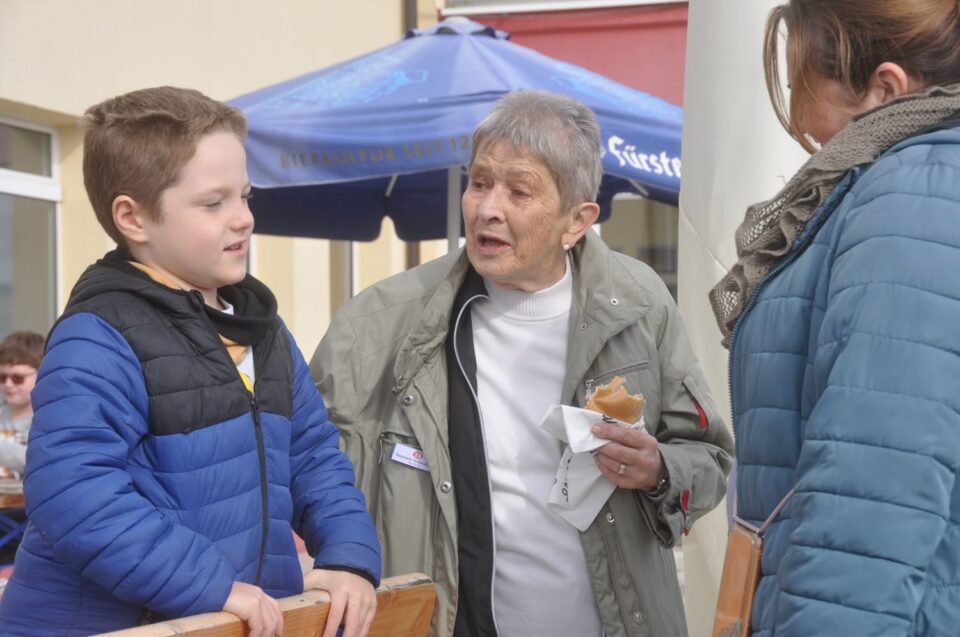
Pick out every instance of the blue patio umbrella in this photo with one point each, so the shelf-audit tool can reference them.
(332, 152)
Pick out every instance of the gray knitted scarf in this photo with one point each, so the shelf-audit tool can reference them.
(770, 228)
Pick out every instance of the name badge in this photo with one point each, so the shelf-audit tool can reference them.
(410, 456)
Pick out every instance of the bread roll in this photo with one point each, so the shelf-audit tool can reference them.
(614, 401)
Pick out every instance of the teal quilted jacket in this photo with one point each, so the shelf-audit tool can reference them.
(845, 382)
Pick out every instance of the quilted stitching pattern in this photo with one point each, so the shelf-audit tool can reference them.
(122, 518)
(848, 388)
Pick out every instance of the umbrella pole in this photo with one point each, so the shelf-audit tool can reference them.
(453, 208)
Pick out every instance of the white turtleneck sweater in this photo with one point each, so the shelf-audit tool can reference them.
(541, 581)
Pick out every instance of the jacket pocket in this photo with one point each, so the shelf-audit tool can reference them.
(640, 377)
(589, 384)
(407, 509)
(696, 396)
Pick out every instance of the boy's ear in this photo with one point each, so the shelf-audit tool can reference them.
(129, 217)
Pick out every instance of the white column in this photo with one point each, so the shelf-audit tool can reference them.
(734, 153)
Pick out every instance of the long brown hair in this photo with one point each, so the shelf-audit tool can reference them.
(846, 40)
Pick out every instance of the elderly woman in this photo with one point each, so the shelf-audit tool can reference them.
(842, 316)
(439, 378)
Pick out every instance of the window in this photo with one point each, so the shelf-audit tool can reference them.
(646, 230)
(29, 193)
(25, 150)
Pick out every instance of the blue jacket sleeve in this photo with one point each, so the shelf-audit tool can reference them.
(881, 449)
(90, 409)
(330, 513)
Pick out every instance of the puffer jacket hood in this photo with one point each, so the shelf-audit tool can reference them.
(254, 303)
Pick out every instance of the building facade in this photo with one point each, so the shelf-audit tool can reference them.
(57, 57)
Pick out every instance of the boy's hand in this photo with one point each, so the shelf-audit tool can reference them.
(353, 601)
(258, 610)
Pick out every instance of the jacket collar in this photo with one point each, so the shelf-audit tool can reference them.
(607, 300)
(255, 307)
(946, 131)
(426, 339)
(604, 291)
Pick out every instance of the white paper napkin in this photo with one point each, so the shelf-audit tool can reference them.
(580, 490)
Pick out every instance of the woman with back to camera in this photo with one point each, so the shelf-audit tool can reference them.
(842, 316)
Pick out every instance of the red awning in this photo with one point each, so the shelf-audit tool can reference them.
(643, 46)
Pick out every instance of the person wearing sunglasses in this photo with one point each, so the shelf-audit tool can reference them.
(20, 355)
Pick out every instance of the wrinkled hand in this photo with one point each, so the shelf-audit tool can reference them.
(353, 601)
(634, 449)
(258, 610)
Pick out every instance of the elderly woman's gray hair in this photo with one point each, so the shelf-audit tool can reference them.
(555, 129)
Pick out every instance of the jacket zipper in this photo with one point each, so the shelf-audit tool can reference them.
(483, 439)
(588, 383)
(798, 248)
(261, 457)
(196, 299)
(261, 460)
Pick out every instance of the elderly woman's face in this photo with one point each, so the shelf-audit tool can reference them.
(514, 223)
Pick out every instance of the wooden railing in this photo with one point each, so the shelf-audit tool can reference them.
(11, 493)
(11, 496)
(404, 608)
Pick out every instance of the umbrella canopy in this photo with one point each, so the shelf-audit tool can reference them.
(332, 152)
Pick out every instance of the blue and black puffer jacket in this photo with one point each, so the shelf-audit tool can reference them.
(845, 379)
(155, 479)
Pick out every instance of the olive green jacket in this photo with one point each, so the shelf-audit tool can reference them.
(382, 369)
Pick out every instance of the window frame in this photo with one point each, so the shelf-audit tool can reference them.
(24, 184)
(28, 185)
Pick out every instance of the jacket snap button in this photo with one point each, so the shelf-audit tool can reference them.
(583, 326)
(610, 518)
(638, 617)
(445, 486)
(409, 399)
(614, 301)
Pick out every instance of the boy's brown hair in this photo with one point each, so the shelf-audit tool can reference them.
(136, 144)
(22, 348)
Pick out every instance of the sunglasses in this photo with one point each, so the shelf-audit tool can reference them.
(16, 379)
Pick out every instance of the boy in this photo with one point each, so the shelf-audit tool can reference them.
(177, 435)
(20, 354)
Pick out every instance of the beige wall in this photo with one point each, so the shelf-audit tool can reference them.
(57, 57)
(63, 55)
(82, 240)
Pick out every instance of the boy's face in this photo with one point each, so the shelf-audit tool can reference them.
(203, 232)
(16, 382)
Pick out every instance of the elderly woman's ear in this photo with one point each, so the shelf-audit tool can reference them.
(581, 218)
